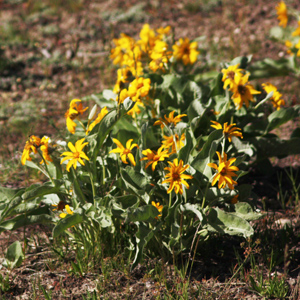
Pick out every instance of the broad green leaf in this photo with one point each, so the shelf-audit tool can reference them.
(25, 220)
(268, 67)
(245, 211)
(135, 179)
(65, 223)
(7, 194)
(196, 209)
(142, 214)
(207, 152)
(243, 61)
(143, 236)
(10, 206)
(228, 223)
(282, 116)
(39, 192)
(14, 255)
(184, 152)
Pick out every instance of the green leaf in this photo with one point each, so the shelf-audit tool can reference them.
(134, 179)
(14, 255)
(25, 220)
(142, 214)
(245, 211)
(196, 209)
(65, 223)
(40, 191)
(207, 152)
(143, 236)
(184, 152)
(228, 223)
(7, 194)
(282, 116)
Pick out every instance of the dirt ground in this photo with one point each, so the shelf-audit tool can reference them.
(58, 50)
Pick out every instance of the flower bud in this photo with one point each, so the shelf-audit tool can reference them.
(93, 112)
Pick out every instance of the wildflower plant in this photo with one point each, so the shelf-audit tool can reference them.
(100, 180)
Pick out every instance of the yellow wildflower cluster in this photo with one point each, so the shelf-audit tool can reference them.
(33, 144)
(276, 99)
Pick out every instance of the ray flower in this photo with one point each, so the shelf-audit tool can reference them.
(159, 208)
(170, 120)
(282, 14)
(76, 154)
(69, 211)
(228, 75)
(174, 142)
(100, 116)
(72, 113)
(228, 130)
(276, 99)
(225, 172)
(30, 146)
(242, 90)
(125, 152)
(175, 177)
(154, 157)
(45, 149)
(186, 51)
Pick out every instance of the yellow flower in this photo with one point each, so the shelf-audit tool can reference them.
(72, 113)
(297, 31)
(68, 210)
(289, 45)
(276, 99)
(173, 142)
(45, 149)
(175, 176)
(76, 155)
(297, 46)
(138, 88)
(228, 130)
(169, 121)
(225, 171)
(228, 75)
(148, 38)
(159, 208)
(162, 32)
(60, 206)
(30, 146)
(186, 51)
(282, 14)
(125, 152)
(123, 77)
(242, 90)
(160, 56)
(154, 157)
(100, 116)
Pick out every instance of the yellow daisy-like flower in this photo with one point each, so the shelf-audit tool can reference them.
(148, 38)
(242, 90)
(159, 208)
(169, 121)
(276, 99)
(45, 149)
(173, 142)
(154, 157)
(225, 172)
(282, 14)
(30, 146)
(100, 116)
(68, 210)
(297, 46)
(228, 75)
(228, 130)
(162, 32)
(123, 77)
(175, 177)
(186, 51)
(138, 88)
(159, 55)
(72, 113)
(125, 152)
(76, 155)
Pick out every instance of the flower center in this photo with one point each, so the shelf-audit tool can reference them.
(242, 89)
(175, 176)
(230, 75)
(223, 171)
(126, 151)
(76, 154)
